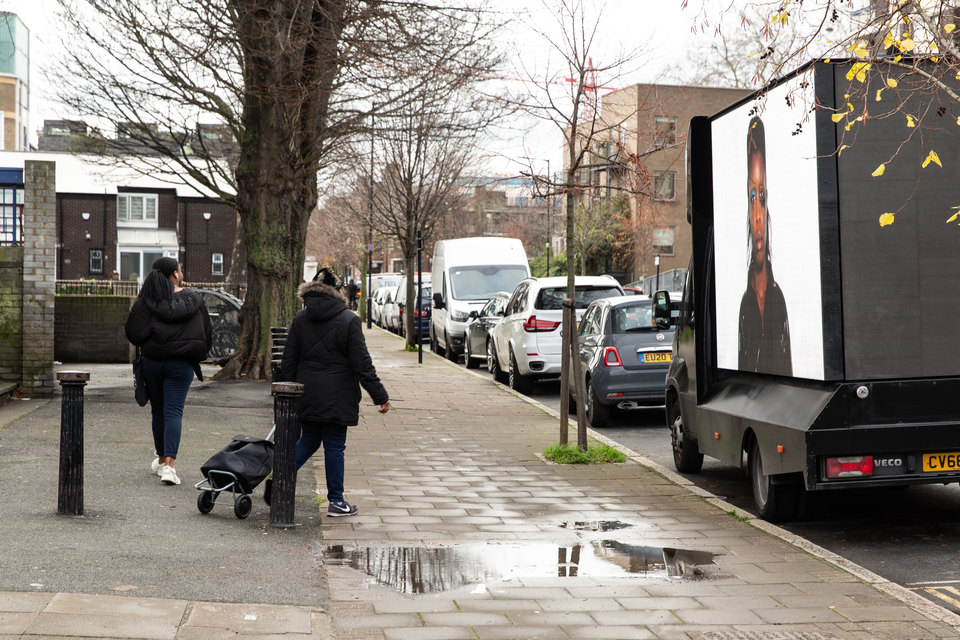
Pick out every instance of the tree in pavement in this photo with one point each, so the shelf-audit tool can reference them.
(566, 95)
(291, 83)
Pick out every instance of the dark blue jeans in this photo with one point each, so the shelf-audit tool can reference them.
(168, 382)
(333, 437)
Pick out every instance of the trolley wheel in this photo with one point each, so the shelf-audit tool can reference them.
(205, 501)
(242, 506)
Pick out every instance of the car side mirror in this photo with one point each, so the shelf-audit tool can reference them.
(438, 300)
(474, 314)
(662, 310)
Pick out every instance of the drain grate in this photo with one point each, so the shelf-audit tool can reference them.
(764, 635)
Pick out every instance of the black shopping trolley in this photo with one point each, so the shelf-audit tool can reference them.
(236, 470)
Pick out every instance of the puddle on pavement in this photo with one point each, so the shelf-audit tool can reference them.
(432, 570)
(596, 525)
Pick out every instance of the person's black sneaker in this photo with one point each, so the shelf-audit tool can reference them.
(268, 490)
(342, 508)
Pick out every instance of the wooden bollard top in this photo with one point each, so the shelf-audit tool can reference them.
(73, 376)
(288, 388)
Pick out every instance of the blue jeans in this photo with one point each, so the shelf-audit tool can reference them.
(168, 382)
(333, 437)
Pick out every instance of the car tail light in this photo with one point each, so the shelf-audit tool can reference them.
(533, 325)
(850, 467)
(611, 357)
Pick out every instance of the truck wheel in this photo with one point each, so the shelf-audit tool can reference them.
(774, 502)
(597, 414)
(686, 453)
(518, 382)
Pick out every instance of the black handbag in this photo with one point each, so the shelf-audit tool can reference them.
(139, 382)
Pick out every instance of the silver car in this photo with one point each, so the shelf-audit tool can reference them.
(526, 344)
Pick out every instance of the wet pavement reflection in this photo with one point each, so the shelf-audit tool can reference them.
(431, 570)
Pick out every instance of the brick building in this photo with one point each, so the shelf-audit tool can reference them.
(112, 222)
(642, 143)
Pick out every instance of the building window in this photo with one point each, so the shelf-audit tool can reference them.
(664, 239)
(136, 210)
(664, 131)
(96, 261)
(216, 264)
(664, 185)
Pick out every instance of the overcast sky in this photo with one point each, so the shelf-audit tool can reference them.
(661, 28)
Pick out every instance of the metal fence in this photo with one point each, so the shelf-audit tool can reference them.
(671, 280)
(131, 288)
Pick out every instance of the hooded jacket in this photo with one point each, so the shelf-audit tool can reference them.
(325, 351)
(174, 329)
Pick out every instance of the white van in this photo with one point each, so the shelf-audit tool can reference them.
(466, 273)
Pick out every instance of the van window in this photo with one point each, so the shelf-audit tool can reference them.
(482, 282)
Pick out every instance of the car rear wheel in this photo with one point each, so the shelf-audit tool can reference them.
(468, 360)
(519, 382)
(493, 365)
(597, 414)
(686, 453)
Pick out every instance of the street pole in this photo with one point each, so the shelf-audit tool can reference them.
(656, 261)
(419, 304)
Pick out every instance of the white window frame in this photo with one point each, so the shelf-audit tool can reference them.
(662, 234)
(96, 255)
(216, 264)
(148, 205)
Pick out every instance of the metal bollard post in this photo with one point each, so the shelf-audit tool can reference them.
(282, 503)
(70, 488)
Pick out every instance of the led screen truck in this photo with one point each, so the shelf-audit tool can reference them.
(817, 341)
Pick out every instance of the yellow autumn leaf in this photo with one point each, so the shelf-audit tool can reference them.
(826, 60)
(879, 91)
(958, 120)
(949, 27)
(910, 122)
(861, 51)
(897, 58)
(849, 125)
(891, 83)
(837, 117)
(850, 105)
(932, 157)
(888, 40)
(842, 147)
(907, 44)
(752, 54)
(886, 219)
(879, 170)
(953, 217)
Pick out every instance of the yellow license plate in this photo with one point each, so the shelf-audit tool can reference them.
(651, 358)
(941, 462)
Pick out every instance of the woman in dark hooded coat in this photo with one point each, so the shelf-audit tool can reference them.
(326, 352)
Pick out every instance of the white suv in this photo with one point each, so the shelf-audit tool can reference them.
(527, 343)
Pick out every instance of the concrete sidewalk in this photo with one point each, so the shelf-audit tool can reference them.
(464, 531)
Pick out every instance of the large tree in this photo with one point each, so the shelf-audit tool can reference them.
(292, 80)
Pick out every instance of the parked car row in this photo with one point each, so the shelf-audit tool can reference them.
(487, 307)
(389, 305)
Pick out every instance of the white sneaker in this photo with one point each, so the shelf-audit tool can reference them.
(168, 475)
(155, 466)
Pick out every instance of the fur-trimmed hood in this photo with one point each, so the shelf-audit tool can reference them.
(321, 300)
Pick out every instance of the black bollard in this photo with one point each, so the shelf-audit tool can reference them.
(285, 397)
(70, 490)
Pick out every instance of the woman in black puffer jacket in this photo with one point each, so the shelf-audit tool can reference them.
(172, 329)
(325, 351)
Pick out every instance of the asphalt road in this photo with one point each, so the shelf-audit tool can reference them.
(906, 535)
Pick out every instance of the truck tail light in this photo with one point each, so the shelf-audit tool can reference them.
(611, 357)
(532, 325)
(850, 467)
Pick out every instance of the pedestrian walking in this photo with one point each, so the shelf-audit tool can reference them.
(352, 294)
(171, 326)
(325, 351)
